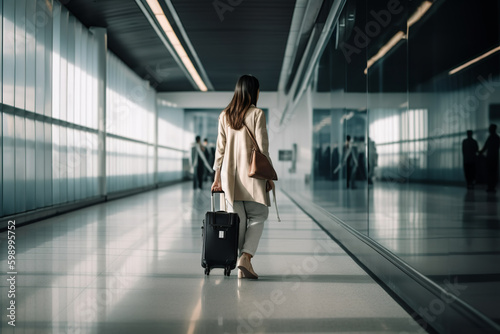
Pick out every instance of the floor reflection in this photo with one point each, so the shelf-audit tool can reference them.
(133, 266)
(446, 233)
(219, 305)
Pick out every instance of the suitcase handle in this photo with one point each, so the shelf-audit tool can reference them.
(213, 200)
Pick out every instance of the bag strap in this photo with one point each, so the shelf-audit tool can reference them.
(257, 148)
(276, 205)
(252, 137)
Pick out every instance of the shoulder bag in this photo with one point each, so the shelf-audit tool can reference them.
(260, 167)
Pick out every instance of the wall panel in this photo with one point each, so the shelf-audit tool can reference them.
(71, 165)
(40, 147)
(40, 66)
(62, 92)
(1, 104)
(30, 164)
(30, 54)
(1, 71)
(55, 83)
(48, 163)
(8, 166)
(1, 159)
(49, 144)
(20, 54)
(77, 87)
(55, 170)
(8, 57)
(20, 162)
(76, 164)
(70, 77)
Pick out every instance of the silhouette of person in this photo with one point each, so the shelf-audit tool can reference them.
(350, 161)
(492, 145)
(372, 160)
(326, 161)
(469, 152)
(210, 156)
(198, 163)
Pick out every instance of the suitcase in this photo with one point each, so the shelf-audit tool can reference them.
(220, 232)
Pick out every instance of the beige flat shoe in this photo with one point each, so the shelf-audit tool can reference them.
(246, 268)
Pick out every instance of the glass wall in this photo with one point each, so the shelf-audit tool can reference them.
(49, 131)
(49, 145)
(171, 147)
(405, 80)
(74, 109)
(130, 124)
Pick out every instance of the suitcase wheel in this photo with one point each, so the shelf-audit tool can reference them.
(227, 271)
(207, 271)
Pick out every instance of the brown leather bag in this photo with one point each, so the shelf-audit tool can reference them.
(260, 167)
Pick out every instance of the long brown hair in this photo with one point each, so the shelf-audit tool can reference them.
(245, 94)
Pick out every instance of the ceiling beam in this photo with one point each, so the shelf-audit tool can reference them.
(309, 61)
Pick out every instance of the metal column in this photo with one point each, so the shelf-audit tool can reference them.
(102, 49)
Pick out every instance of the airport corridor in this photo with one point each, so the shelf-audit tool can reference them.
(132, 265)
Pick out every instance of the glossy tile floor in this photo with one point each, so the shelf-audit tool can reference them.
(133, 266)
(446, 233)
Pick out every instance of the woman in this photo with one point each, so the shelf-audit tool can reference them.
(244, 195)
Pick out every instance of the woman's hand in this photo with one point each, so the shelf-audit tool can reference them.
(217, 185)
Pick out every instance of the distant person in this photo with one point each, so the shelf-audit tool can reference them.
(198, 163)
(469, 152)
(246, 196)
(210, 158)
(349, 160)
(360, 148)
(492, 146)
(372, 160)
(326, 156)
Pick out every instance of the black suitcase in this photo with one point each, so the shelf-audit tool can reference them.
(220, 232)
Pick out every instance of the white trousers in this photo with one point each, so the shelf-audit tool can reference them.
(252, 217)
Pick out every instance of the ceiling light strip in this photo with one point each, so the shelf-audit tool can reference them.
(187, 42)
(419, 13)
(307, 66)
(475, 60)
(386, 48)
(162, 20)
(164, 41)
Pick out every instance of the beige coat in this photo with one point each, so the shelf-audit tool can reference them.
(234, 149)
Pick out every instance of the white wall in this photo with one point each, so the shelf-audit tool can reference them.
(213, 100)
(296, 129)
(170, 141)
(130, 115)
